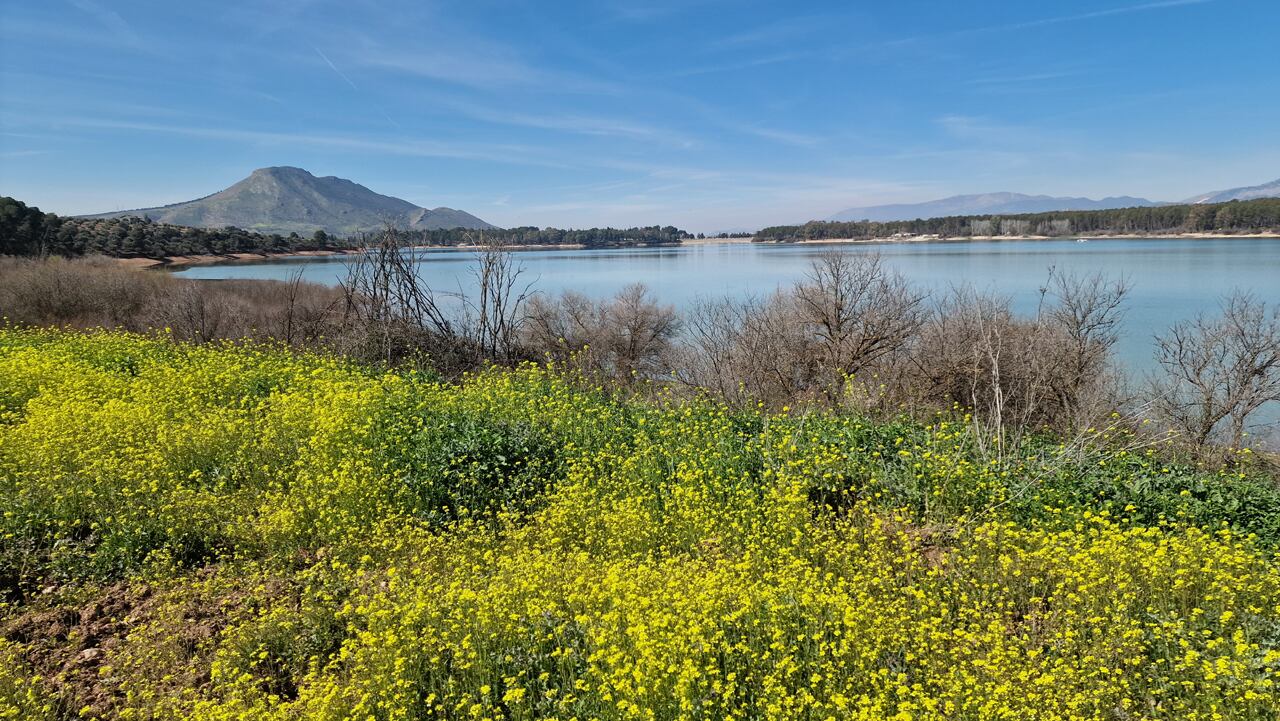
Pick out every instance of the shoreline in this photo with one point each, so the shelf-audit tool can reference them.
(184, 261)
(987, 238)
(179, 262)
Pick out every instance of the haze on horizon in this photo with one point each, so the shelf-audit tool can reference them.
(705, 114)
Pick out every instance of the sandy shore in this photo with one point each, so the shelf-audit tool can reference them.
(182, 261)
(472, 246)
(1184, 235)
(178, 261)
(963, 238)
(716, 241)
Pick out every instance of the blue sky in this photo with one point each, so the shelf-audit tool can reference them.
(706, 114)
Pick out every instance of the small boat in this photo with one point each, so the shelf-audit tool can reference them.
(1082, 240)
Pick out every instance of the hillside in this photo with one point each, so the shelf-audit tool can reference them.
(1248, 192)
(985, 203)
(26, 230)
(291, 200)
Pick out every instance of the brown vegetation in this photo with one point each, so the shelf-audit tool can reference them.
(852, 332)
(624, 339)
(95, 292)
(1219, 371)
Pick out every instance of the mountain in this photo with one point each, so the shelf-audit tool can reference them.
(286, 200)
(1249, 192)
(985, 204)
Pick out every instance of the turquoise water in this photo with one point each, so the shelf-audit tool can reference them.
(1172, 278)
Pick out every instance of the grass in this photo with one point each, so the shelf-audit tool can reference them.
(226, 531)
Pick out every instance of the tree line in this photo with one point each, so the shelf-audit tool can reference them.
(1237, 216)
(27, 231)
(530, 236)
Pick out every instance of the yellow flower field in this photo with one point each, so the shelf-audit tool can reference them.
(221, 532)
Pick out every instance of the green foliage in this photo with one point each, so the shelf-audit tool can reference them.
(460, 465)
(1237, 216)
(237, 531)
(530, 236)
(26, 231)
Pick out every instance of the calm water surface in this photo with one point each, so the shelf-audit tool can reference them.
(1172, 279)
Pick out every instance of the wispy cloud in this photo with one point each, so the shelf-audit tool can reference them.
(498, 153)
(32, 105)
(570, 123)
(1020, 79)
(989, 134)
(26, 136)
(783, 31)
(595, 206)
(335, 69)
(110, 20)
(646, 11)
(921, 41)
(726, 199)
(732, 123)
(1123, 10)
(477, 67)
(343, 75)
(785, 137)
(78, 35)
(731, 66)
(22, 153)
(262, 19)
(968, 127)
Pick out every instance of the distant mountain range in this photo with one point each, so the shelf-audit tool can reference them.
(286, 200)
(1249, 192)
(985, 203)
(1011, 203)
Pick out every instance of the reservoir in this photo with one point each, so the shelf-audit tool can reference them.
(1171, 279)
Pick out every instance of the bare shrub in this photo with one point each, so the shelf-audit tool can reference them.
(708, 354)
(82, 293)
(389, 314)
(1087, 312)
(976, 353)
(1219, 371)
(855, 311)
(1052, 370)
(626, 338)
(193, 314)
(749, 351)
(294, 311)
(100, 292)
(845, 320)
(560, 329)
(494, 317)
(636, 333)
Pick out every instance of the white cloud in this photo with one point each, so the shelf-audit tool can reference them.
(477, 65)
(334, 67)
(498, 153)
(111, 21)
